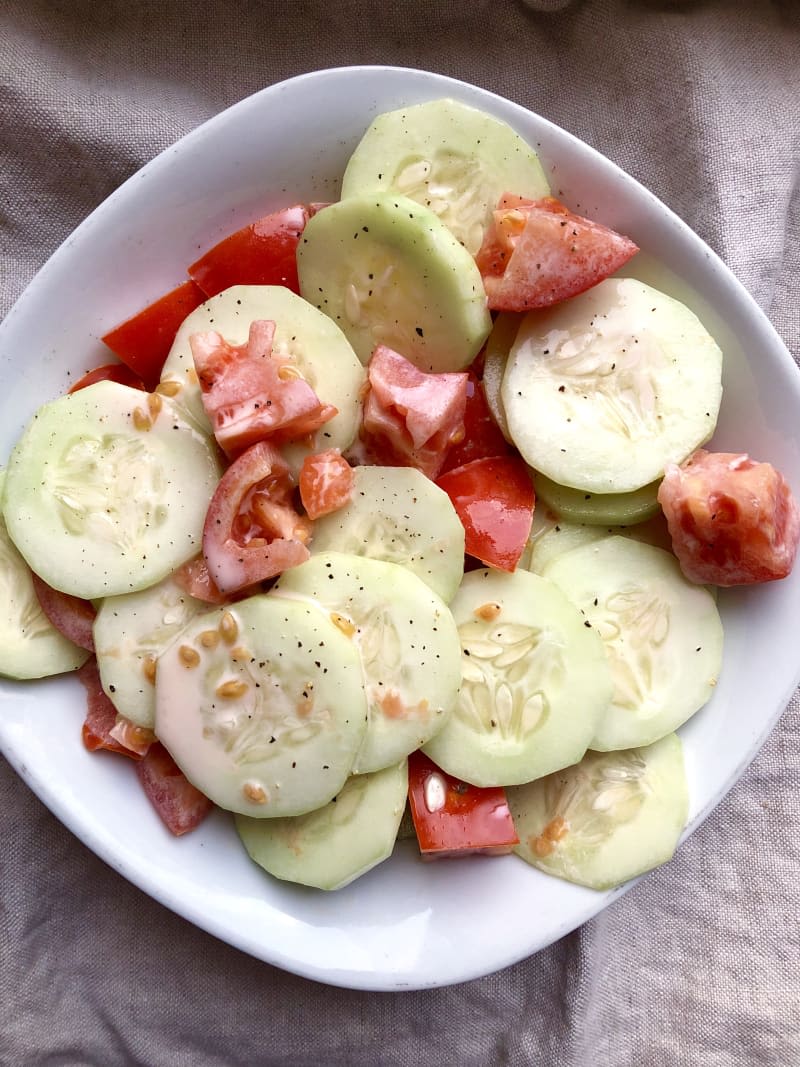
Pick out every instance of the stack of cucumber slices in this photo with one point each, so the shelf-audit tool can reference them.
(298, 707)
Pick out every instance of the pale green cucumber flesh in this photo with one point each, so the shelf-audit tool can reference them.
(552, 536)
(498, 345)
(609, 818)
(598, 509)
(535, 681)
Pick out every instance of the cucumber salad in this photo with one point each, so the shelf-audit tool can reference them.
(396, 519)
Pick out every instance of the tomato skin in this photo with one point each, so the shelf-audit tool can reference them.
(471, 819)
(482, 438)
(70, 615)
(143, 341)
(178, 803)
(103, 727)
(252, 532)
(261, 253)
(494, 499)
(537, 252)
(109, 372)
(733, 521)
(326, 482)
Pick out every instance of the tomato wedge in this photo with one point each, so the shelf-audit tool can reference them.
(732, 521)
(453, 818)
(252, 531)
(143, 341)
(410, 417)
(537, 252)
(178, 803)
(494, 499)
(194, 579)
(250, 393)
(104, 727)
(482, 438)
(326, 482)
(109, 372)
(70, 615)
(261, 253)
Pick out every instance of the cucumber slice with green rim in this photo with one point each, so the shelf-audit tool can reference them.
(316, 346)
(30, 646)
(662, 634)
(398, 515)
(107, 490)
(387, 271)
(262, 706)
(331, 847)
(498, 345)
(598, 509)
(535, 682)
(602, 391)
(452, 158)
(606, 820)
(130, 633)
(407, 641)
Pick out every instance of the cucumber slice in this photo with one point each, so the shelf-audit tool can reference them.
(498, 345)
(602, 391)
(130, 633)
(389, 272)
(610, 818)
(662, 634)
(398, 515)
(30, 646)
(598, 509)
(535, 682)
(262, 706)
(316, 346)
(451, 158)
(407, 640)
(331, 847)
(107, 490)
(552, 536)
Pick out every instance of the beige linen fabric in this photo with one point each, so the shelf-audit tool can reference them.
(699, 964)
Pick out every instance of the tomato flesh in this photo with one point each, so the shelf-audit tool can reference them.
(252, 531)
(70, 615)
(180, 806)
(537, 252)
(326, 482)
(250, 394)
(732, 521)
(494, 498)
(109, 372)
(193, 577)
(482, 438)
(410, 418)
(453, 818)
(261, 253)
(143, 341)
(104, 727)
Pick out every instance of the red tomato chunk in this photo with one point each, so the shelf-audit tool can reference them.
(537, 252)
(733, 521)
(482, 438)
(178, 803)
(326, 482)
(453, 818)
(143, 341)
(262, 253)
(70, 615)
(104, 727)
(411, 418)
(494, 499)
(194, 579)
(109, 372)
(250, 394)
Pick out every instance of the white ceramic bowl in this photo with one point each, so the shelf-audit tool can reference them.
(406, 924)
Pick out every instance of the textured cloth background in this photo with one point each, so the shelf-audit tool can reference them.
(697, 965)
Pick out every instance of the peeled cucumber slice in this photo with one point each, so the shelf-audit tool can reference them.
(107, 490)
(552, 536)
(607, 819)
(387, 271)
(407, 641)
(451, 158)
(662, 635)
(130, 633)
(598, 509)
(316, 346)
(535, 681)
(30, 646)
(602, 391)
(331, 847)
(398, 515)
(262, 706)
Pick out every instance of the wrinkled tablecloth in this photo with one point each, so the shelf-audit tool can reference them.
(699, 964)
